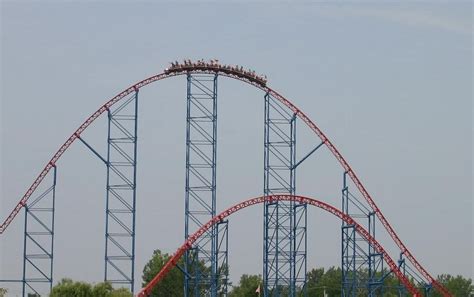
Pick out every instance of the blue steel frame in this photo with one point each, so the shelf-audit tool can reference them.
(411, 274)
(362, 268)
(285, 223)
(38, 245)
(200, 188)
(222, 258)
(121, 193)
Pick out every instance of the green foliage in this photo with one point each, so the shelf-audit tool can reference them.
(3, 292)
(120, 292)
(320, 281)
(458, 286)
(102, 290)
(247, 286)
(171, 285)
(68, 288)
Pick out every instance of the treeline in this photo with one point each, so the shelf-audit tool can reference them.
(320, 283)
(327, 283)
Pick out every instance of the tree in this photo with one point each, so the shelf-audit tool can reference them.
(67, 287)
(320, 281)
(3, 292)
(171, 285)
(313, 282)
(248, 284)
(457, 286)
(120, 292)
(329, 281)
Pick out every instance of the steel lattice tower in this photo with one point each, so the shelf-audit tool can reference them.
(222, 258)
(362, 268)
(284, 264)
(203, 275)
(121, 192)
(38, 244)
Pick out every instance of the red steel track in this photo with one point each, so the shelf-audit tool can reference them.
(146, 291)
(235, 75)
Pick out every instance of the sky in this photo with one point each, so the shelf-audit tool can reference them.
(389, 83)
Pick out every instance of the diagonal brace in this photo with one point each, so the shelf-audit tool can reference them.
(307, 155)
(92, 150)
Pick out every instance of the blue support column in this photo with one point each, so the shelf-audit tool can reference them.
(300, 223)
(402, 266)
(222, 258)
(38, 246)
(413, 276)
(121, 193)
(284, 264)
(375, 263)
(362, 267)
(200, 190)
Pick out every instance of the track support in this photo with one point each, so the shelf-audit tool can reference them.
(38, 244)
(121, 193)
(284, 264)
(200, 190)
(222, 258)
(362, 267)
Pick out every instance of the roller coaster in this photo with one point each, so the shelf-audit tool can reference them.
(285, 212)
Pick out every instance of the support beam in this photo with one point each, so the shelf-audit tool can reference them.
(38, 245)
(285, 229)
(362, 267)
(92, 150)
(222, 258)
(121, 193)
(307, 155)
(201, 184)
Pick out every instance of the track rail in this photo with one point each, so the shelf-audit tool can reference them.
(146, 291)
(235, 75)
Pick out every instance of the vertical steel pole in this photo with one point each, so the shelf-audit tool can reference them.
(348, 247)
(52, 226)
(214, 184)
(186, 190)
(135, 156)
(265, 191)
(24, 251)
(107, 196)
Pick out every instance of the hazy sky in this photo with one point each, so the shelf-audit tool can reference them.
(390, 84)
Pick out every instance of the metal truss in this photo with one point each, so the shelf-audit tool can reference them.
(121, 193)
(414, 277)
(39, 242)
(222, 258)
(284, 264)
(200, 189)
(362, 266)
